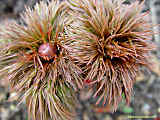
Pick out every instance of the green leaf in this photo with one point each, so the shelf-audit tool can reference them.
(127, 109)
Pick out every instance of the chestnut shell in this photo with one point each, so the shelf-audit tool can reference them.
(47, 51)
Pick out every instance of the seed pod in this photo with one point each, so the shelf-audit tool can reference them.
(112, 41)
(37, 62)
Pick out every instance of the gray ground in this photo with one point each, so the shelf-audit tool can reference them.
(146, 97)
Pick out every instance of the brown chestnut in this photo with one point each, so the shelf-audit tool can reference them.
(47, 51)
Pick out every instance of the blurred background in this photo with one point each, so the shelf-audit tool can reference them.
(145, 102)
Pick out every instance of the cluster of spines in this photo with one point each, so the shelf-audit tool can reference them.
(63, 46)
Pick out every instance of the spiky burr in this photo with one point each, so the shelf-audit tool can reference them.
(36, 60)
(111, 42)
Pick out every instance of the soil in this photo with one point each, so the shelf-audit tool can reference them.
(146, 96)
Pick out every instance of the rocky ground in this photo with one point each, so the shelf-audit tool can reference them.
(146, 96)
